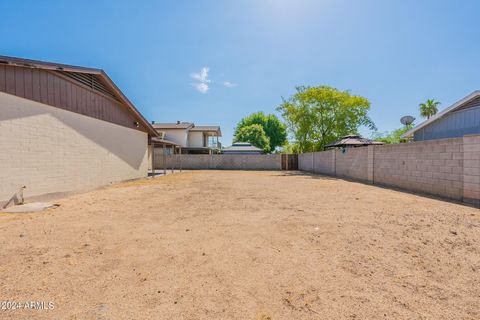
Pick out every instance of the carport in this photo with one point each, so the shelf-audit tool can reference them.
(168, 148)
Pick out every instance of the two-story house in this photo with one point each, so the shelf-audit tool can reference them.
(191, 138)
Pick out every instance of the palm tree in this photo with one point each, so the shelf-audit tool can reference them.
(429, 108)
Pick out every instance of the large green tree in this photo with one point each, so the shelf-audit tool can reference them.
(317, 116)
(274, 129)
(429, 108)
(254, 134)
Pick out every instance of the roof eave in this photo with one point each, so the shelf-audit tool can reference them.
(147, 125)
(21, 62)
(47, 65)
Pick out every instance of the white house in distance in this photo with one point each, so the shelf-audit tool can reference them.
(191, 138)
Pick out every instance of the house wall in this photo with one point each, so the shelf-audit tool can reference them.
(446, 167)
(221, 161)
(179, 136)
(50, 150)
(195, 139)
(454, 124)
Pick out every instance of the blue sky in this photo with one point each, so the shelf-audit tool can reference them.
(395, 53)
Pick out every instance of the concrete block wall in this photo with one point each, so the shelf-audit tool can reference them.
(471, 169)
(50, 150)
(194, 161)
(318, 162)
(352, 163)
(221, 161)
(448, 168)
(247, 162)
(305, 161)
(434, 167)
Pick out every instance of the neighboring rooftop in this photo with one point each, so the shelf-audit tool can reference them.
(187, 125)
(472, 100)
(207, 129)
(175, 125)
(352, 141)
(242, 147)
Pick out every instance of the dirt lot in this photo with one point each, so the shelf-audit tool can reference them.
(244, 245)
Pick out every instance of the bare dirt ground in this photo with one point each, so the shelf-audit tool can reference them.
(244, 245)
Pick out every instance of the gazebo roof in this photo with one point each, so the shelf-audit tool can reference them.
(352, 141)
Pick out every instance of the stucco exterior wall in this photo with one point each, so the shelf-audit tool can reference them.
(195, 139)
(51, 150)
(179, 136)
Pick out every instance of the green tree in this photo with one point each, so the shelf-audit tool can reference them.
(429, 108)
(255, 135)
(394, 136)
(275, 130)
(289, 148)
(317, 116)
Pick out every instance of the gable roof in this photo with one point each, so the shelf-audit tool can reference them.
(207, 129)
(456, 106)
(21, 62)
(177, 125)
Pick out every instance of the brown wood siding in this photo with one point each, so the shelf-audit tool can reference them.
(54, 89)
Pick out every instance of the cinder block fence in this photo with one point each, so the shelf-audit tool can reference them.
(219, 161)
(448, 168)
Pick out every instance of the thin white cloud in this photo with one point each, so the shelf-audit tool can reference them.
(202, 78)
(229, 84)
(201, 87)
(203, 83)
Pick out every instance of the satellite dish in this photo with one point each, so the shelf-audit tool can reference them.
(407, 120)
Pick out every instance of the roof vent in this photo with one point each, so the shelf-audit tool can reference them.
(153, 121)
(178, 121)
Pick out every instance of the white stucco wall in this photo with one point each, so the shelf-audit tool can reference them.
(51, 150)
(178, 136)
(195, 139)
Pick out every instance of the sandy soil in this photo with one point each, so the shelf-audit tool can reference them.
(244, 245)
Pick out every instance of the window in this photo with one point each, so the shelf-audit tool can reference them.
(212, 141)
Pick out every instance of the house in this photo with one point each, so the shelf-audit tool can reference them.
(65, 128)
(242, 148)
(351, 141)
(461, 118)
(191, 138)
